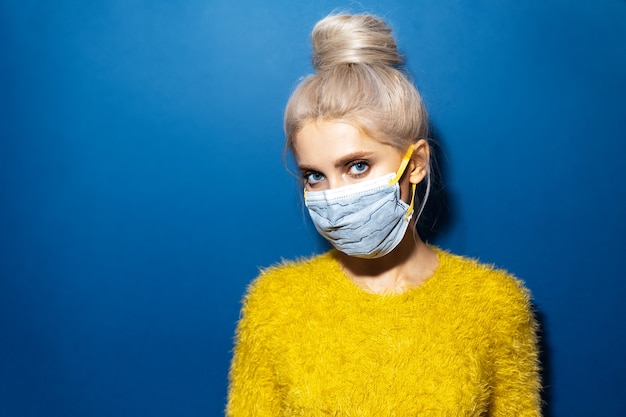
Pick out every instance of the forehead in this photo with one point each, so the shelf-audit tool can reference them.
(320, 141)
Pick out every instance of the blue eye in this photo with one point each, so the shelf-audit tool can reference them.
(359, 168)
(314, 177)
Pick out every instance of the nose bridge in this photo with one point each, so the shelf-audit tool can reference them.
(336, 180)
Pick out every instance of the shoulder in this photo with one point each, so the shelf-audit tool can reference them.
(288, 282)
(289, 275)
(494, 301)
(484, 285)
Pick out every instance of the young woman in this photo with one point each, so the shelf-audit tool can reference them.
(383, 324)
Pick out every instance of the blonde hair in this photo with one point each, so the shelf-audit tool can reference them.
(359, 79)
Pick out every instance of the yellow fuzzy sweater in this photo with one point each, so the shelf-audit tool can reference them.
(311, 343)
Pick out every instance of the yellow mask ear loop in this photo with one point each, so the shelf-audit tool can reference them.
(405, 161)
(409, 212)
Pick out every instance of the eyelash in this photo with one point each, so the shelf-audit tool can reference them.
(359, 162)
(306, 176)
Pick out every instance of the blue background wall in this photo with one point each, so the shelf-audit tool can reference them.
(142, 184)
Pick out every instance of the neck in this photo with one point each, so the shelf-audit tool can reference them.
(407, 266)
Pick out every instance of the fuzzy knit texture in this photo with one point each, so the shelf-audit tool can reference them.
(312, 343)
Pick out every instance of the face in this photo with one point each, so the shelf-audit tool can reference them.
(334, 154)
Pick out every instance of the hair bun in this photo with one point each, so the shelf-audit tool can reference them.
(353, 39)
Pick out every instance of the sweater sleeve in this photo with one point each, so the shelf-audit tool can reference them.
(516, 390)
(253, 389)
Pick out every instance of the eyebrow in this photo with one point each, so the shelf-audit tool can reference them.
(341, 161)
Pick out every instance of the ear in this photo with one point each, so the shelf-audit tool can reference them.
(420, 162)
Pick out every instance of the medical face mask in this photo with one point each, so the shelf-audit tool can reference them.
(367, 219)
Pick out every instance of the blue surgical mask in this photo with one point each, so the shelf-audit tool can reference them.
(367, 219)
